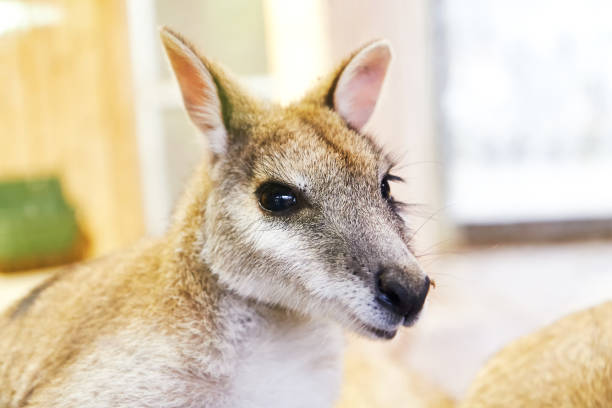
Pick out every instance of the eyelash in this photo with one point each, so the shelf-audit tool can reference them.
(396, 205)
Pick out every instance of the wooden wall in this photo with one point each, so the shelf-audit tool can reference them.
(66, 109)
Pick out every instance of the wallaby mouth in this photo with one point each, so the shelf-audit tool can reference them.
(380, 333)
(386, 333)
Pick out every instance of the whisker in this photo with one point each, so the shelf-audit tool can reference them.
(426, 221)
(399, 167)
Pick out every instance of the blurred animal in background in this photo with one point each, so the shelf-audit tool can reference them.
(286, 234)
(567, 364)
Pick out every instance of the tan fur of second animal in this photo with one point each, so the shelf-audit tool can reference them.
(565, 365)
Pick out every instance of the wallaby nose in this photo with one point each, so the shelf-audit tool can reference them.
(397, 297)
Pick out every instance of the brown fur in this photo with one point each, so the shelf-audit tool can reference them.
(84, 302)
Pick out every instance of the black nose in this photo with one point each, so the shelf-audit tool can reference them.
(398, 297)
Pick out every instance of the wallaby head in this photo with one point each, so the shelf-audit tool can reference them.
(299, 213)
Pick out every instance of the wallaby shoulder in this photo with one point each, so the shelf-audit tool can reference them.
(66, 316)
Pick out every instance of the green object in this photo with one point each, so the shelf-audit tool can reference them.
(37, 226)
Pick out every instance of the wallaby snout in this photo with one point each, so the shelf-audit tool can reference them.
(400, 297)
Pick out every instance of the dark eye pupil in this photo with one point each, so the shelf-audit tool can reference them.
(276, 197)
(385, 190)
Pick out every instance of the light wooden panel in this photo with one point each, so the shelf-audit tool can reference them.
(66, 109)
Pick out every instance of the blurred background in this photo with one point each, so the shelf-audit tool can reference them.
(502, 111)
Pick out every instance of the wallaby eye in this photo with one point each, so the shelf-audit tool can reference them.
(385, 190)
(276, 197)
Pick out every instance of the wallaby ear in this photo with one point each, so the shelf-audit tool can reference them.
(199, 89)
(352, 90)
(360, 82)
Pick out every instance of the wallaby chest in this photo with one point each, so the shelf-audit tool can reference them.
(289, 365)
(255, 361)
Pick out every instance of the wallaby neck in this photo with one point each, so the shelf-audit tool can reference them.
(185, 237)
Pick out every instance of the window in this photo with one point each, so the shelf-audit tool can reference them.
(525, 103)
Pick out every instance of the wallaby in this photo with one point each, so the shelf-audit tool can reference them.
(567, 364)
(287, 233)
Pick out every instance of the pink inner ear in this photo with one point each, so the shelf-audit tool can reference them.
(199, 91)
(193, 87)
(360, 83)
(197, 88)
